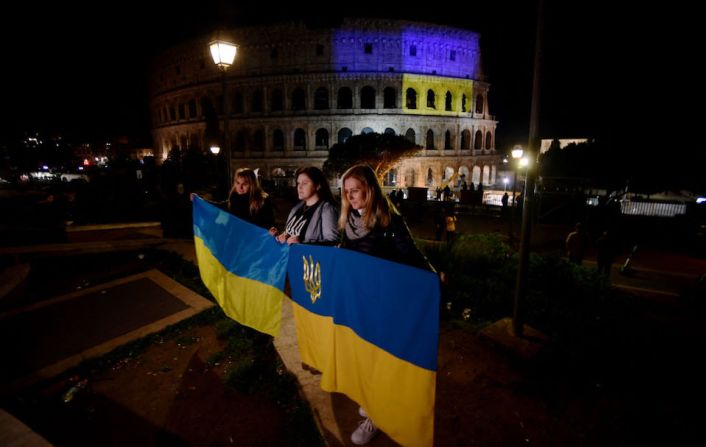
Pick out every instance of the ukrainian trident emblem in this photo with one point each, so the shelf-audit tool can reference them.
(312, 278)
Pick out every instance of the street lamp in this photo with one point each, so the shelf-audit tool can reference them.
(215, 149)
(516, 152)
(223, 53)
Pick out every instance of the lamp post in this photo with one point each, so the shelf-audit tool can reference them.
(533, 149)
(517, 152)
(223, 53)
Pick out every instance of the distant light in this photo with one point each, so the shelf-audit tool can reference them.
(80, 168)
(700, 199)
(524, 162)
(86, 162)
(506, 180)
(517, 152)
(45, 167)
(215, 149)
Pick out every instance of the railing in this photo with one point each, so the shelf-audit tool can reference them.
(661, 209)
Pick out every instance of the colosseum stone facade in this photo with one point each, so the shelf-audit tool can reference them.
(294, 91)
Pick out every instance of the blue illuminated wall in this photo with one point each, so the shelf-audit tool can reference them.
(407, 48)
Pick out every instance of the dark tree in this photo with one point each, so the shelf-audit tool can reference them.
(381, 152)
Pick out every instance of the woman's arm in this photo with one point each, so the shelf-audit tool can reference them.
(329, 223)
(407, 250)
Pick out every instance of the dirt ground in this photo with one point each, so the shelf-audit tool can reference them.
(643, 386)
(169, 396)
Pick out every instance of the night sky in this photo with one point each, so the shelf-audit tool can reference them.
(604, 72)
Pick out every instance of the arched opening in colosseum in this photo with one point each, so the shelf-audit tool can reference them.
(448, 103)
(476, 175)
(299, 140)
(465, 139)
(344, 134)
(478, 143)
(448, 173)
(256, 105)
(411, 98)
(479, 103)
(410, 177)
(389, 98)
(391, 178)
(258, 140)
(390, 131)
(488, 140)
(411, 136)
(431, 99)
(345, 98)
(298, 99)
(447, 140)
(366, 130)
(277, 101)
(321, 141)
(278, 140)
(430, 139)
(367, 97)
(321, 99)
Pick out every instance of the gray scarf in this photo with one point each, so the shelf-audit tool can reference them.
(355, 227)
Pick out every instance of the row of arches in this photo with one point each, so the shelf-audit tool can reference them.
(299, 139)
(429, 176)
(298, 100)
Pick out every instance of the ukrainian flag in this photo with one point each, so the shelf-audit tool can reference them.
(242, 265)
(371, 327)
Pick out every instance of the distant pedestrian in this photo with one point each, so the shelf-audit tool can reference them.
(606, 252)
(505, 199)
(575, 245)
(447, 193)
(439, 222)
(450, 226)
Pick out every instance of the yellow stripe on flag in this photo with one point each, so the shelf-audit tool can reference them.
(397, 395)
(249, 302)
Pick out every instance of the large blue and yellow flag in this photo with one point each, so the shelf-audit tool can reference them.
(372, 328)
(242, 265)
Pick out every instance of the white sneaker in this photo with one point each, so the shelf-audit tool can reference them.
(364, 433)
(362, 412)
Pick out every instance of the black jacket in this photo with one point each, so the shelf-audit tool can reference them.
(393, 243)
(240, 207)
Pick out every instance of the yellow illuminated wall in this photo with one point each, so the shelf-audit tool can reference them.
(440, 85)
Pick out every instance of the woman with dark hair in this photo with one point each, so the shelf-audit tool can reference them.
(313, 220)
(370, 224)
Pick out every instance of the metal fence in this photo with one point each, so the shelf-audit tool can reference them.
(661, 209)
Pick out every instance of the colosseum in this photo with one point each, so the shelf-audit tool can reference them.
(293, 91)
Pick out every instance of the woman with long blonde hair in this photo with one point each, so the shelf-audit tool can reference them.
(369, 223)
